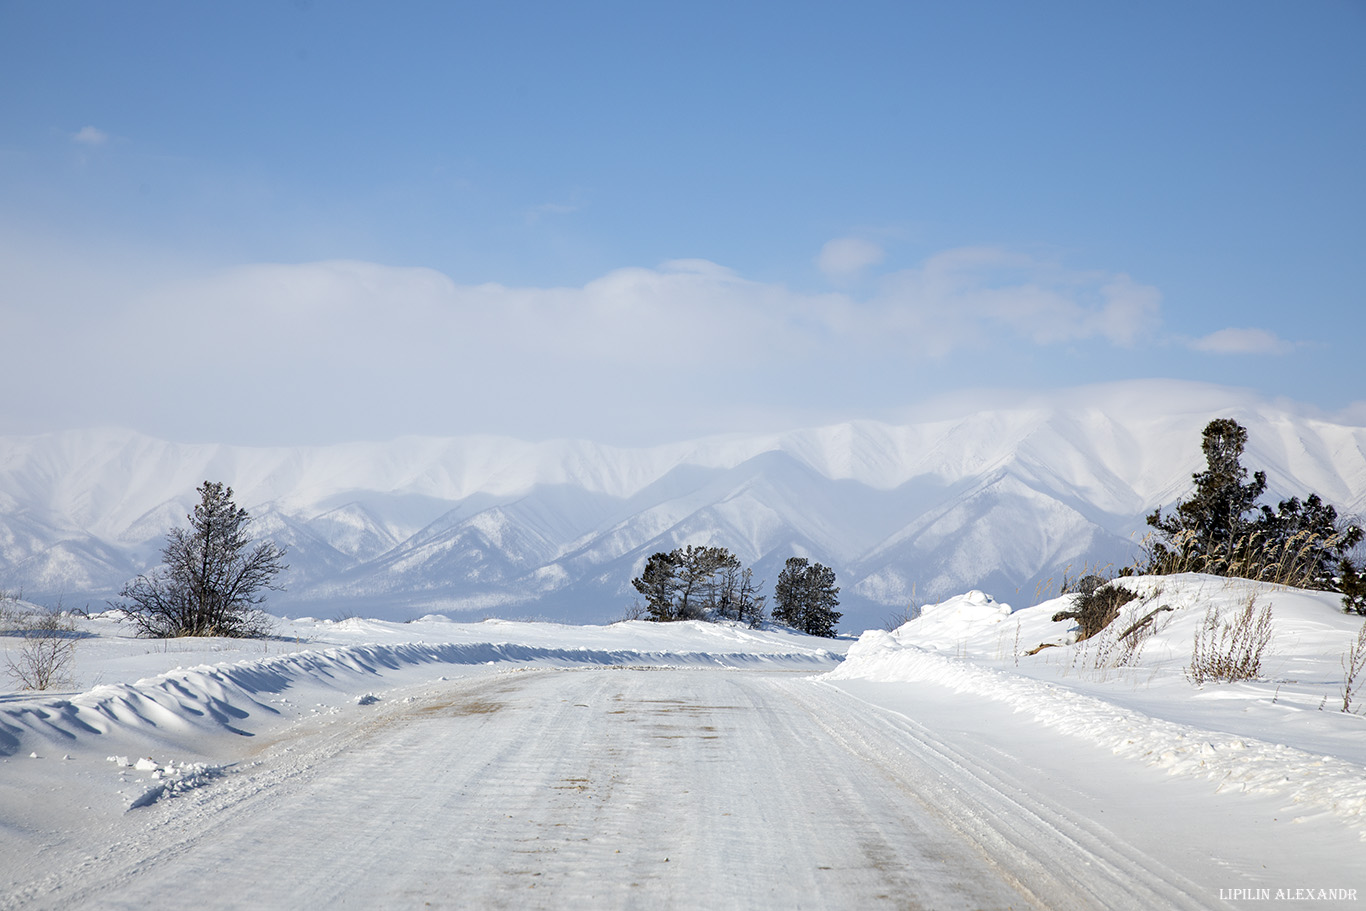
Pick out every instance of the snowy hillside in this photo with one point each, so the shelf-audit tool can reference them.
(1284, 733)
(999, 500)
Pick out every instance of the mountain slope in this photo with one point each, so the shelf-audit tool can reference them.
(1000, 499)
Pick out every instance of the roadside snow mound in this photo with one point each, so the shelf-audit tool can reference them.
(182, 706)
(951, 621)
(952, 645)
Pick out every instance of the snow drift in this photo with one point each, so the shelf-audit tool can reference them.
(1279, 735)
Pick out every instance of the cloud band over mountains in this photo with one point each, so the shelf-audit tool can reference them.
(373, 351)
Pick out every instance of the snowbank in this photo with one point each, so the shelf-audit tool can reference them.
(973, 645)
(188, 708)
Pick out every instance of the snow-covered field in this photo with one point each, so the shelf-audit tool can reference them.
(497, 764)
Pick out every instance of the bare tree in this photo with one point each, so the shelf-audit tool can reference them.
(751, 606)
(737, 595)
(46, 650)
(212, 576)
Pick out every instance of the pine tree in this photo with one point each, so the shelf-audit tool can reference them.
(1307, 541)
(212, 575)
(1297, 543)
(1352, 584)
(699, 582)
(789, 594)
(738, 595)
(1204, 529)
(657, 584)
(805, 597)
(823, 594)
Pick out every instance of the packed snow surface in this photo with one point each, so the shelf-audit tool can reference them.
(501, 764)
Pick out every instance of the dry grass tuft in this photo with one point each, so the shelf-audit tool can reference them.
(1231, 650)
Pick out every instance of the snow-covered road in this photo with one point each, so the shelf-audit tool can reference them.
(689, 765)
(613, 787)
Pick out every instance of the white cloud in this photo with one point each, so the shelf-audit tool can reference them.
(845, 257)
(91, 136)
(352, 350)
(974, 295)
(1242, 341)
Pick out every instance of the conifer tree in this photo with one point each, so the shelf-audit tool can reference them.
(738, 595)
(1205, 527)
(657, 584)
(699, 582)
(805, 597)
(1220, 530)
(698, 566)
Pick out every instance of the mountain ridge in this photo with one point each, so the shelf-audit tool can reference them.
(998, 498)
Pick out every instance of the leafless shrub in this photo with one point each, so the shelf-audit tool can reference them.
(1231, 650)
(46, 650)
(1353, 666)
(636, 611)
(900, 617)
(1136, 634)
(903, 615)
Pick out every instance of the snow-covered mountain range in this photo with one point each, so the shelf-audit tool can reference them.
(1000, 499)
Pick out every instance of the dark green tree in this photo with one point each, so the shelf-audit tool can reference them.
(806, 596)
(212, 576)
(658, 584)
(1220, 529)
(699, 582)
(1307, 540)
(1202, 530)
(789, 594)
(1352, 584)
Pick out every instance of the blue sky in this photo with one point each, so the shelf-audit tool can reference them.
(318, 221)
